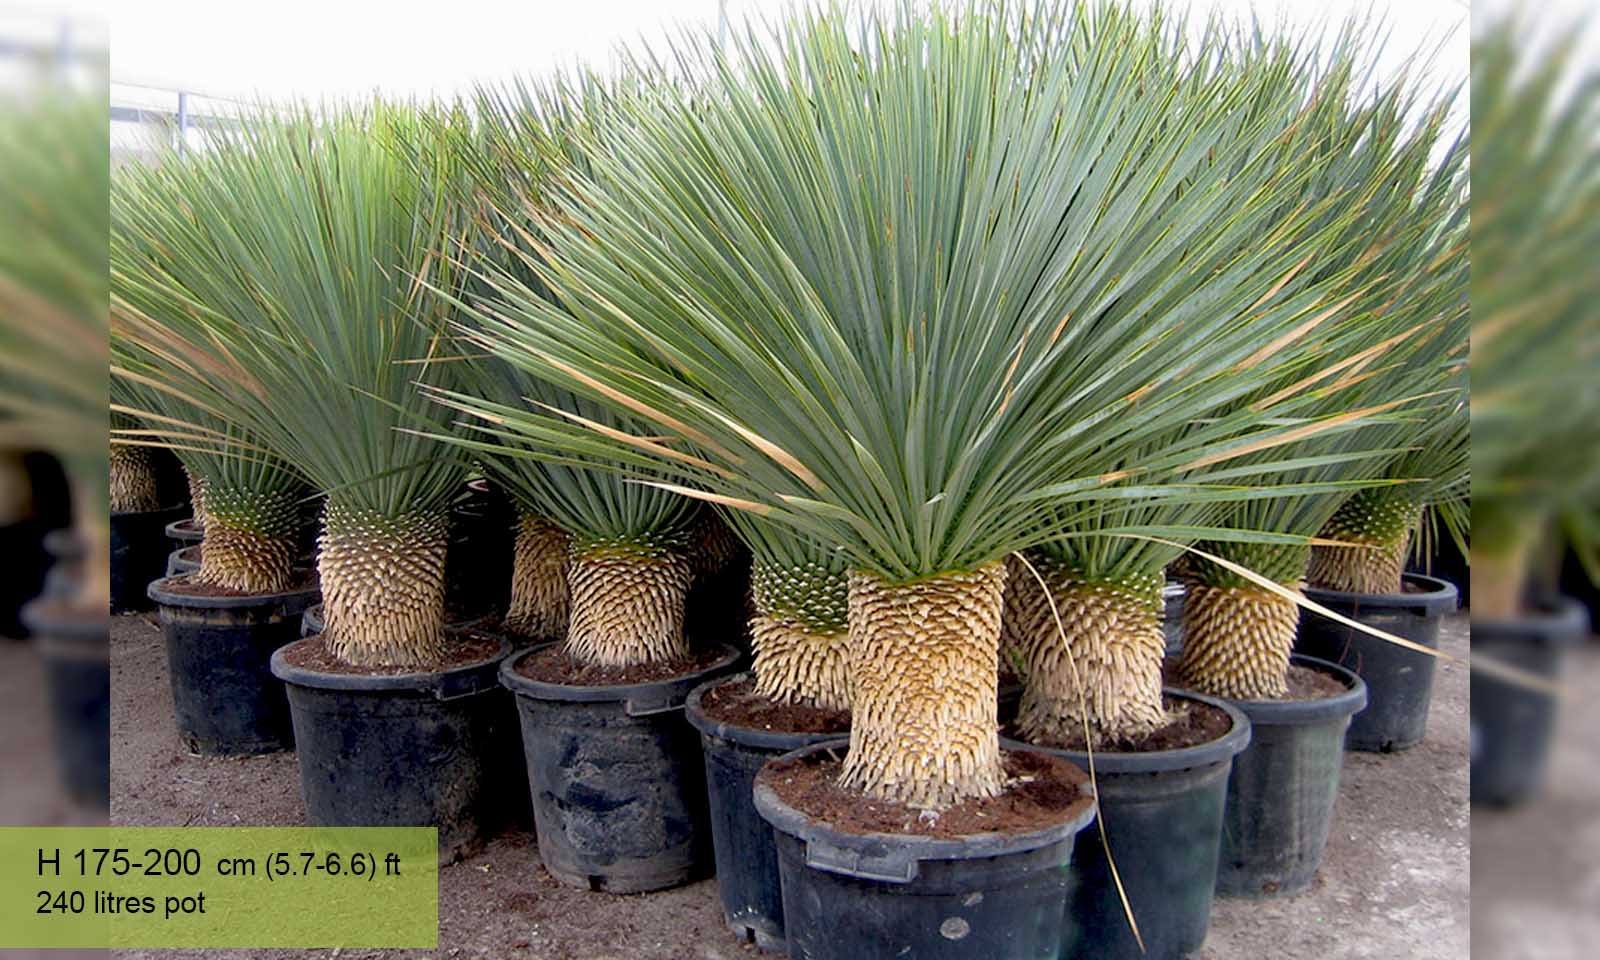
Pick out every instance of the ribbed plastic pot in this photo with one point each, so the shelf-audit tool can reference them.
(408, 750)
(1282, 789)
(219, 654)
(1162, 813)
(185, 533)
(1512, 725)
(1172, 616)
(746, 857)
(183, 560)
(77, 661)
(139, 548)
(879, 896)
(617, 779)
(1399, 681)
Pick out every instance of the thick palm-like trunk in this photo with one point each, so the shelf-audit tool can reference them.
(197, 496)
(250, 543)
(539, 602)
(383, 585)
(1379, 523)
(134, 485)
(1237, 636)
(1100, 670)
(923, 659)
(800, 634)
(627, 605)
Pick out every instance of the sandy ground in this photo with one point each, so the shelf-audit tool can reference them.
(1395, 883)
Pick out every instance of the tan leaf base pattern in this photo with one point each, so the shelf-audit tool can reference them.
(1237, 641)
(539, 602)
(383, 587)
(627, 608)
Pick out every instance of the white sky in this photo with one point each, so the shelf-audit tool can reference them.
(274, 49)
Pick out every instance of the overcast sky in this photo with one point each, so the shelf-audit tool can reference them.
(335, 48)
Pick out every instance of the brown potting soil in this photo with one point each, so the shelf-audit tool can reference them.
(1041, 791)
(1189, 724)
(736, 702)
(495, 623)
(554, 665)
(463, 649)
(184, 585)
(1308, 684)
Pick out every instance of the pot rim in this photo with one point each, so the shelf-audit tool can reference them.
(1221, 750)
(185, 529)
(1563, 622)
(1263, 713)
(288, 598)
(780, 740)
(660, 693)
(882, 854)
(445, 684)
(1440, 597)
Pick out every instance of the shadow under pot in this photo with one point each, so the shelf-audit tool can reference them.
(1282, 790)
(879, 896)
(76, 650)
(1162, 814)
(616, 777)
(139, 549)
(1399, 681)
(746, 856)
(423, 749)
(219, 654)
(1513, 724)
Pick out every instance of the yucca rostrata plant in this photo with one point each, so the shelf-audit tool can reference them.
(1535, 310)
(799, 622)
(285, 294)
(135, 477)
(1406, 309)
(53, 222)
(909, 284)
(253, 542)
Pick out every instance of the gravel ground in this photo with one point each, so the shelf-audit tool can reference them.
(1395, 883)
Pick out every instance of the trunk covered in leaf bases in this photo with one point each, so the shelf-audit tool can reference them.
(1379, 523)
(197, 496)
(800, 632)
(1099, 670)
(628, 603)
(539, 602)
(923, 659)
(1237, 636)
(251, 542)
(383, 586)
(135, 486)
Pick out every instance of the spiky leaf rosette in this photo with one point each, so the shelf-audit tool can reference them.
(291, 300)
(1535, 304)
(53, 150)
(857, 292)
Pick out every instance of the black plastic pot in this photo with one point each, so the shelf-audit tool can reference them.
(1512, 725)
(1162, 813)
(1172, 616)
(415, 749)
(62, 577)
(139, 548)
(617, 779)
(77, 660)
(746, 857)
(22, 546)
(219, 652)
(185, 560)
(1283, 787)
(185, 533)
(853, 896)
(1399, 681)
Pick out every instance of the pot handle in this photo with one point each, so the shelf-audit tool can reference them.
(888, 867)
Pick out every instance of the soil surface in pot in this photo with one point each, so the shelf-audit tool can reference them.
(466, 647)
(184, 585)
(1189, 724)
(736, 702)
(1041, 791)
(553, 665)
(1304, 682)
